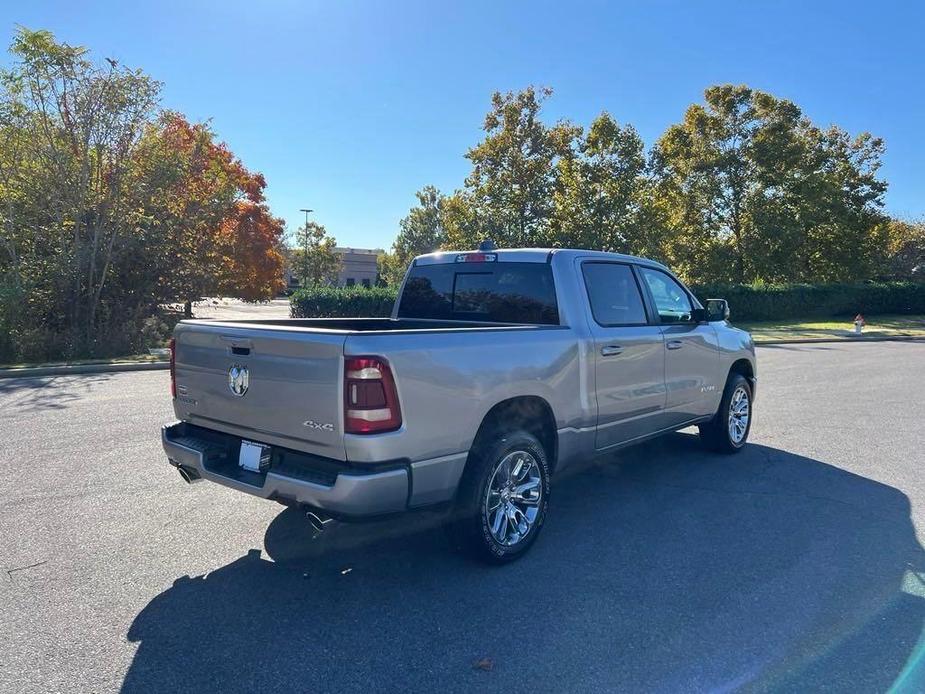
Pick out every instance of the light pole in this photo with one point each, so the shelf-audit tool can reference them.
(306, 211)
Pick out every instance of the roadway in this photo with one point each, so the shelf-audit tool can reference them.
(796, 565)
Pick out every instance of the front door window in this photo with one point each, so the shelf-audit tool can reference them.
(671, 301)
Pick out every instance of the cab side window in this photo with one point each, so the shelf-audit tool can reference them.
(671, 301)
(614, 294)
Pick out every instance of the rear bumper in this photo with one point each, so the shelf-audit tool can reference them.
(346, 492)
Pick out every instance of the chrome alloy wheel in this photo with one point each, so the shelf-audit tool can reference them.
(739, 412)
(512, 502)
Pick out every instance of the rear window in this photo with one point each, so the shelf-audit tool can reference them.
(490, 292)
(614, 294)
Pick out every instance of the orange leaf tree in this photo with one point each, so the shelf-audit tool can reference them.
(211, 222)
(250, 245)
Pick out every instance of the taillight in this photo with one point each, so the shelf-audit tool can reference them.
(173, 367)
(370, 397)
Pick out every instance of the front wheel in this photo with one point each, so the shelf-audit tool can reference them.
(728, 431)
(503, 497)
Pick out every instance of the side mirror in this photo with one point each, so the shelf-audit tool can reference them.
(717, 309)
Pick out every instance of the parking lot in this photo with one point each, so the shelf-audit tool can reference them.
(797, 565)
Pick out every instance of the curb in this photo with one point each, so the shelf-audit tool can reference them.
(812, 340)
(65, 369)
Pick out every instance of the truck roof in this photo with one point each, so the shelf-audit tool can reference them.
(534, 255)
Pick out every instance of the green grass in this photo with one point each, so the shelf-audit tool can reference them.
(877, 326)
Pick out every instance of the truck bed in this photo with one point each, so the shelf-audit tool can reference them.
(366, 325)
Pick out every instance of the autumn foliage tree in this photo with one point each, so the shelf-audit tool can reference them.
(110, 208)
(250, 253)
(210, 205)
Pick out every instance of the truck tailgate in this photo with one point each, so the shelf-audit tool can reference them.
(281, 387)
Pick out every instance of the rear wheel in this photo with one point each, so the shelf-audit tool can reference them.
(728, 431)
(503, 497)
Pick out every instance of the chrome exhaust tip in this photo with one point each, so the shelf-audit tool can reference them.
(188, 474)
(319, 521)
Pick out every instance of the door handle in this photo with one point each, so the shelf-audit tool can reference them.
(674, 344)
(611, 350)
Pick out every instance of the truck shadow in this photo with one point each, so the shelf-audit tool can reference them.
(33, 394)
(663, 569)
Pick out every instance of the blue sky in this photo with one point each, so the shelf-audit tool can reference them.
(350, 107)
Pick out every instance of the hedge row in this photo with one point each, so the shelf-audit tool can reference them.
(342, 302)
(799, 301)
(747, 302)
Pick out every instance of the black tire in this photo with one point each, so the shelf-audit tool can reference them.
(715, 434)
(469, 528)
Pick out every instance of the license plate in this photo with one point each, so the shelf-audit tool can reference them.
(254, 456)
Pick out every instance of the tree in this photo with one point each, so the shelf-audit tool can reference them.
(250, 244)
(903, 250)
(76, 126)
(193, 187)
(420, 231)
(110, 208)
(314, 259)
(708, 171)
(841, 214)
(461, 223)
(600, 193)
(514, 171)
(389, 270)
(746, 186)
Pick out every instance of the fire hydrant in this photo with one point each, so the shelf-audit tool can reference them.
(858, 324)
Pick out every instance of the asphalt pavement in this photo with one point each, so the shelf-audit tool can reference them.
(797, 565)
(234, 309)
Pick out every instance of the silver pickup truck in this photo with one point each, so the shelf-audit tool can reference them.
(496, 371)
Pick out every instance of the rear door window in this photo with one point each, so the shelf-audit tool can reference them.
(614, 295)
(494, 292)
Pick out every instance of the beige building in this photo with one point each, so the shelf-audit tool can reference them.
(357, 266)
